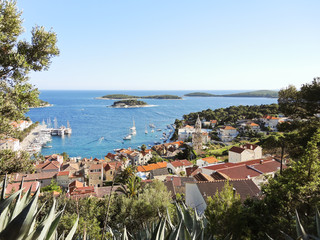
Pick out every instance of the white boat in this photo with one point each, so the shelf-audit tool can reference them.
(151, 125)
(159, 130)
(128, 137)
(146, 131)
(152, 130)
(133, 130)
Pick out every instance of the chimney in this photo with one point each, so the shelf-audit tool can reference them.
(261, 161)
(248, 177)
(234, 191)
(251, 146)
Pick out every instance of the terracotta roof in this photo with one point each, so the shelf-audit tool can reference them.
(103, 191)
(211, 159)
(14, 187)
(179, 181)
(180, 163)
(35, 176)
(65, 173)
(244, 188)
(253, 124)
(213, 121)
(95, 166)
(203, 177)
(191, 170)
(228, 128)
(51, 166)
(228, 164)
(151, 167)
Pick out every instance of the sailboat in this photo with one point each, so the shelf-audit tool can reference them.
(128, 137)
(146, 131)
(133, 130)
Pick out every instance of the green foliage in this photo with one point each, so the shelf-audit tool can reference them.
(223, 208)
(231, 114)
(52, 187)
(17, 59)
(129, 102)
(303, 103)
(259, 93)
(15, 161)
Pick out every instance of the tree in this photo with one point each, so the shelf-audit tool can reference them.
(223, 210)
(303, 103)
(143, 147)
(17, 59)
(132, 188)
(52, 187)
(13, 162)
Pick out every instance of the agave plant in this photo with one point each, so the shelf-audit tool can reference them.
(190, 227)
(19, 217)
(301, 233)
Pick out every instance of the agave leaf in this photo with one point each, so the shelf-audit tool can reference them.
(20, 225)
(4, 185)
(4, 219)
(158, 233)
(73, 230)
(6, 202)
(33, 224)
(54, 225)
(175, 234)
(179, 211)
(188, 221)
(41, 231)
(228, 237)
(124, 234)
(171, 226)
(300, 230)
(318, 222)
(286, 236)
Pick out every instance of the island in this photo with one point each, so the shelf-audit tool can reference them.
(129, 103)
(124, 96)
(41, 104)
(259, 93)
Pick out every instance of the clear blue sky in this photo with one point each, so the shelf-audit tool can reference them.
(178, 44)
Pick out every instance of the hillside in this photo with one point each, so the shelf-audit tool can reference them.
(258, 93)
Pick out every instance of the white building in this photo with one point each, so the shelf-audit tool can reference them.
(178, 166)
(227, 133)
(10, 144)
(244, 153)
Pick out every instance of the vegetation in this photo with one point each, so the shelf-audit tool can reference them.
(17, 59)
(230, 115)
(259, 93)
(124, 96)
(20, 217)
(21, 135)
(128, 103)
(15, 161)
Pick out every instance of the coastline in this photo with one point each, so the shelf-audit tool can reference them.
(44, 106)
(117, 99)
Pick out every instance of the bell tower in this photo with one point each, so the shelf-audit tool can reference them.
(197, 137)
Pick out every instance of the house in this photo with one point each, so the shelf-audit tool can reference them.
(185, 133)
(154, 169)
(257, 170)
(213, 123)
(179, 183)
(10, 144)
(63, 179)
(48, 166)
(168, 149)
(244, 153)
(227, 133)
(54, 157)
(95, 175)
(21, 124)
(206, 161)
(178, 166)
(249, 125)
(110, 169)
(44, 178)
(197, 193)
(270, 122)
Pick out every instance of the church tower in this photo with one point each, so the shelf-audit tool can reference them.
(197, 137)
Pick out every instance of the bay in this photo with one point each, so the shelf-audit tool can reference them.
(97, 129)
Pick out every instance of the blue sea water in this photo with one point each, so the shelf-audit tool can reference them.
(91, 119)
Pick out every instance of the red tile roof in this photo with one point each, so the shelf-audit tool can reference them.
(14, 187)
(180, 163)
(211, 159)
(65, 173)
(228, 128)
(236, 149)
(95, 166)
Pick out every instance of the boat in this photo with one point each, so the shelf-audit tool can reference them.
(152, 130)
(159, 130)
(146, 131)
(151, 125)
(47, 146)
(128, 137)
(133, 130)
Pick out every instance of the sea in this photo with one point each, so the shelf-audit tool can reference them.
(98, 129)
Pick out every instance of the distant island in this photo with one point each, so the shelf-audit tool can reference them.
(41, 104)
(124, 96)
(129, 103)
(259, 93)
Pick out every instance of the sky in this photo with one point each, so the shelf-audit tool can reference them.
(177, 45)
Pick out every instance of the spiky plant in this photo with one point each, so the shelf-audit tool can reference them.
(19, 217)
(190, 227)
(301, 233)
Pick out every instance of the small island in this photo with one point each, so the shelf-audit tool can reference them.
(41, 104)
(129, 103)
(124, 96)
(259, 93)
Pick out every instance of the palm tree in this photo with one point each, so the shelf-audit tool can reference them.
(132, 188)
